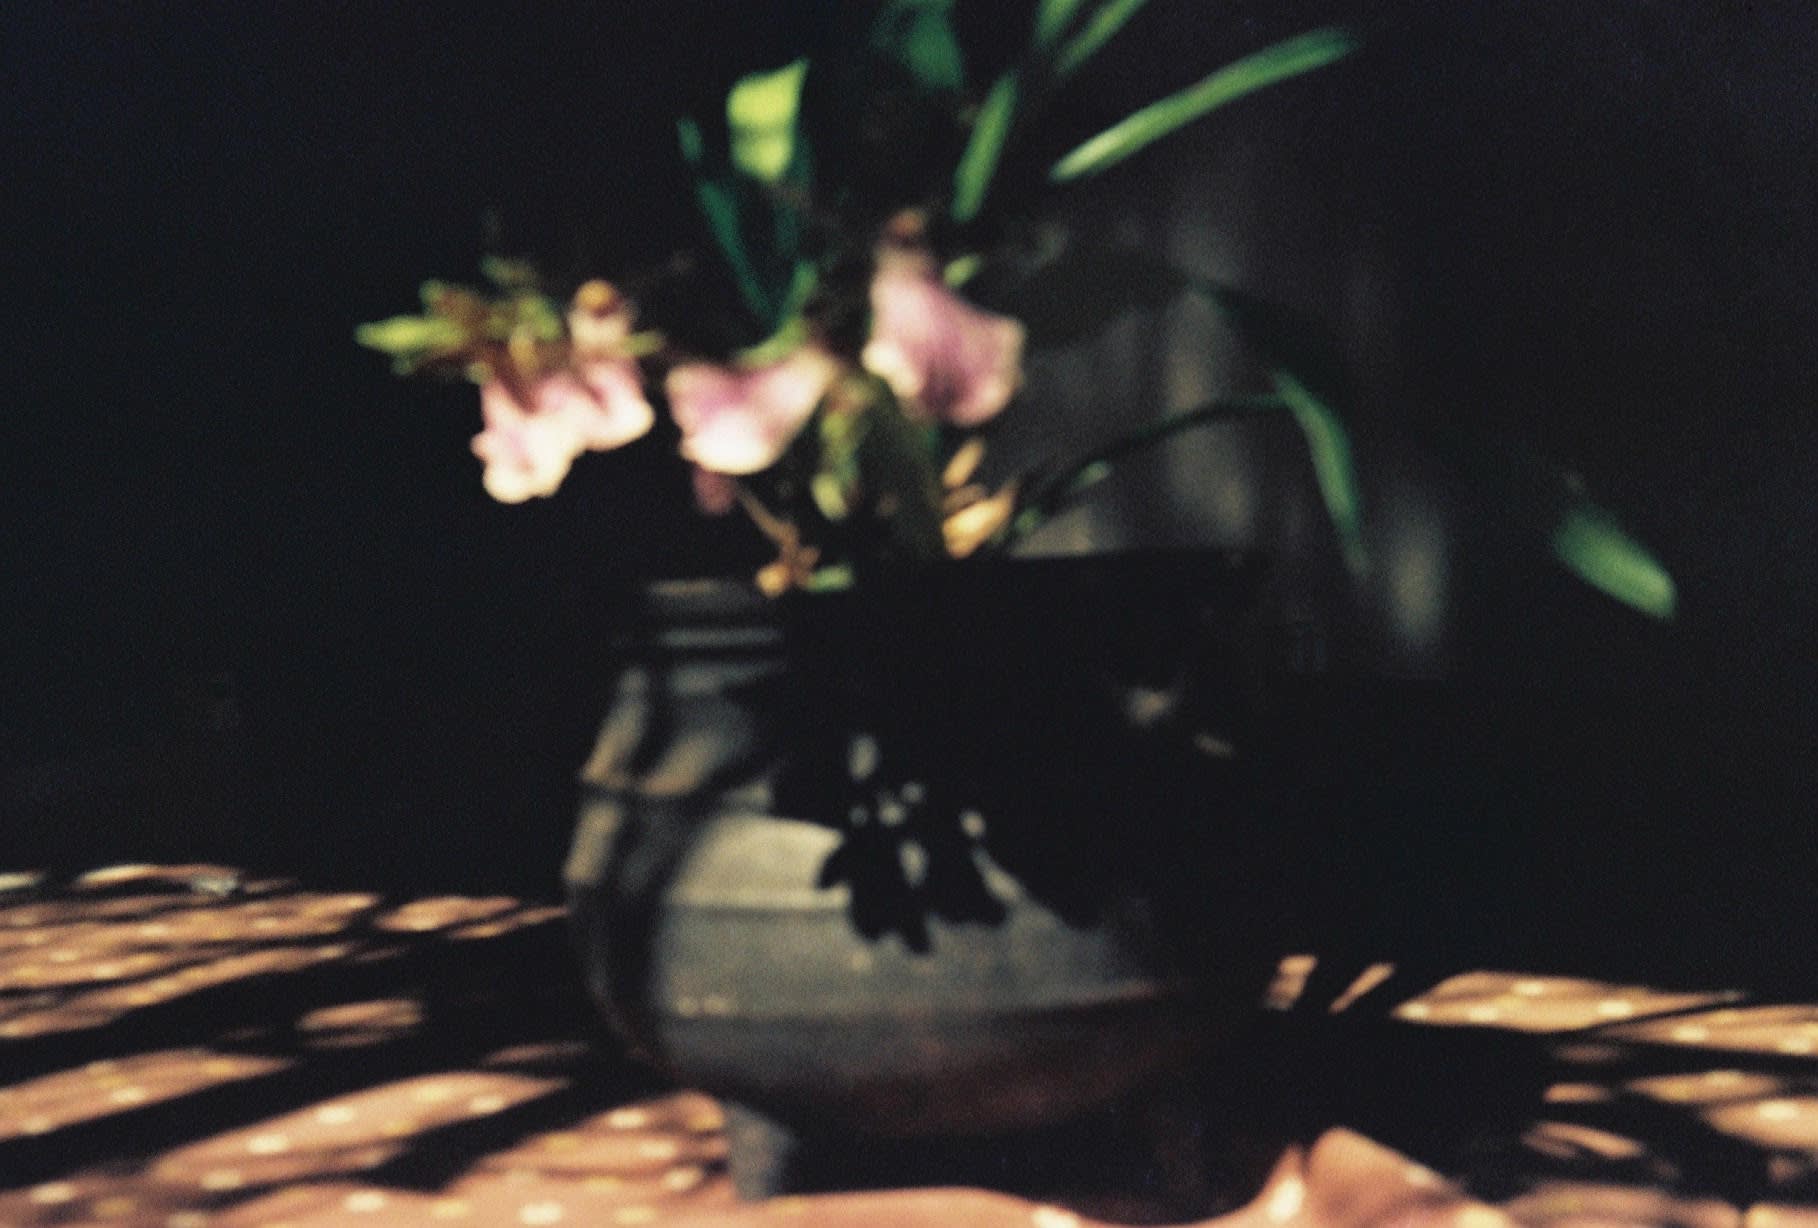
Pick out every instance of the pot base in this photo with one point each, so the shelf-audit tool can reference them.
(1150, 1157)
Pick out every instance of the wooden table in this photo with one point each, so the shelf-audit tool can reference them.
(185, 1047)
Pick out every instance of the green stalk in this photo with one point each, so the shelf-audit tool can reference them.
(1105, 23)
(1093, 467)
(1136, 132)
(978, 164)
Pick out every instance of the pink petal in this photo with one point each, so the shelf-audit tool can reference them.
(528, 450)
(608, 403)
(527, 455)
(938, 353)
(743, 420)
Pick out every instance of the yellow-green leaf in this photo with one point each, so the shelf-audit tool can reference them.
(760, 114)
(519, 276)
(829, 494)
(1597, 551)
(403, 335)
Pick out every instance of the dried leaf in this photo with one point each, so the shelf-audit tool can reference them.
(975, 525)
(963, 464)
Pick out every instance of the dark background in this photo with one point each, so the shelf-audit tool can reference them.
(256, 607)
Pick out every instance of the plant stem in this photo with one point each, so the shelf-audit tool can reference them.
(1088, 470)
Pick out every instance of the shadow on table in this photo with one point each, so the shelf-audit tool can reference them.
(224, 1003)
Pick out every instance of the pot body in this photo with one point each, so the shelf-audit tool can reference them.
(964, 856)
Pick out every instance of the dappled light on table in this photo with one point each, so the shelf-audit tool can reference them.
(191, 1048)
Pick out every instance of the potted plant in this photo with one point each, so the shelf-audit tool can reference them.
(908, 835)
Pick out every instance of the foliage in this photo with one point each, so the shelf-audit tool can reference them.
(851, 194)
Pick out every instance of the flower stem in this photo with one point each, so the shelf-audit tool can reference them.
(1088, 470)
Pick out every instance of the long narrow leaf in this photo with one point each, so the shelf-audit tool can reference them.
(1335, 471)
(721, 211)
(410, 336)
(1278, 63)
(722, 215)
(1052, 17)
(1591, 546)
(1307, 378)
(977, 165)
(1105, 23)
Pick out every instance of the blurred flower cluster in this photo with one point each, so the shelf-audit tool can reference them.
(873, 209)
(850, 199)
(869, 255)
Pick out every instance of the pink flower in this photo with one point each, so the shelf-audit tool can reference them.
(528, 447)
(741, 420)
(939, 354)
(599, 321)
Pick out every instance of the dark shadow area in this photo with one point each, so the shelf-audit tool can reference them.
(469, 997)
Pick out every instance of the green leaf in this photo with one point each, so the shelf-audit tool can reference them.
(1157, 120)
(918, 36)
(829, 491)
(761, 112)
(962, 269)
(511, 276)
(1052, 17)
(1589, 543)
(694, 145)
(1077, 481)
(1309, 379)
(834, 578)
(1334, 470)
(977, 165)
(538, 317)
(1105, 23)
(802, 284)
(720, 208)
(928, 48)
(403, 336)
(786, 340)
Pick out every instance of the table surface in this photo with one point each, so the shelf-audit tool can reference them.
(186, 1047)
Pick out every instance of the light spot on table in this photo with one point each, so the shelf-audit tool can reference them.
(681, 1180)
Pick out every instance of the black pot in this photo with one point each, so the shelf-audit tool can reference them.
(967, 852)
